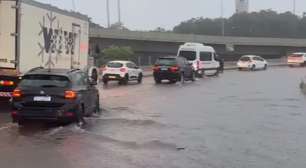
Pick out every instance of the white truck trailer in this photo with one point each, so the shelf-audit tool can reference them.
(33, 34)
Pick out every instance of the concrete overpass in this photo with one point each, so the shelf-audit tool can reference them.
(150, 45)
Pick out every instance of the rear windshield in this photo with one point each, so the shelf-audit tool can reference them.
(296, 55)
(166, 61)
(44, 81)
(205, 56)
(115, 65)
(189, 55)
(245, 59)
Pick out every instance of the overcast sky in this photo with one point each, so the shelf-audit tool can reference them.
(149, 14)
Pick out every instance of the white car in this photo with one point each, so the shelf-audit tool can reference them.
(252, 62)
(297, 59)
(203, 58)
(122, 71)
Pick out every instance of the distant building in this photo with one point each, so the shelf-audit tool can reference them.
(242, 6)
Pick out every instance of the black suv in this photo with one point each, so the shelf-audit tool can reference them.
(54, 95)
(173, 69)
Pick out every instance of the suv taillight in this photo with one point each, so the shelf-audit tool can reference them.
(70, 94)
(174, 69)
(17, 93)
(156, 68)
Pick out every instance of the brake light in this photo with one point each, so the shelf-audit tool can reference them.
(174, 69)
(156, 68)
(6, 83)
(17, 93)
(70, 94)
(122, 69)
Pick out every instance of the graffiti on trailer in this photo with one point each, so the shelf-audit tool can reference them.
(56, 41)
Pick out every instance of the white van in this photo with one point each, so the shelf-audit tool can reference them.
(202, 58)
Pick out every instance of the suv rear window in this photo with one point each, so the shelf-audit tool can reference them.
(205, 56)
(166, 61)
(115, 65)
(44, 81)
(189, 55)
(245, 59)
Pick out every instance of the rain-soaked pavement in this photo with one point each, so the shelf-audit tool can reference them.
(237, 120)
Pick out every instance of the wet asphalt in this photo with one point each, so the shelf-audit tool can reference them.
(236, 120)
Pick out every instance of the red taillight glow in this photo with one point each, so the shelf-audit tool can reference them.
(174, 69)
(6, 83)
(122, 69)
(17, 93)
(156, 68)
(69, 114)
(14, 114)
(70, 94)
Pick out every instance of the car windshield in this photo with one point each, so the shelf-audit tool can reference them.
(189, 55)
(166, 61)
(44, 81)
(114, 65)
(245, 59)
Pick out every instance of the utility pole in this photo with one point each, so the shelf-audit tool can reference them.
(108, 13)
(294, 6)
(119, 11)
(73, 5)
(222, 18)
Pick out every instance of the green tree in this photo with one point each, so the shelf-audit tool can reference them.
(115, 53)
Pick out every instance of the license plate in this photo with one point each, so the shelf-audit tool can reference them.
(112, 77)
(164, 69)
(42, 98)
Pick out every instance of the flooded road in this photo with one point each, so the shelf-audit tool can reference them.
(237, 120)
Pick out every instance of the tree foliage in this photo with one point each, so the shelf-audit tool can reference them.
(266, 23)
(115, 53)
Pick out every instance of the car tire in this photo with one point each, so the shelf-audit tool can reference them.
(140, 76)
(80, 115)
(157, 80)
(193, 77)
(97, 108)
(239, 69)
(21, 123)
(253, 68)
(105, 81)
(265, 67)
(182, 78)
(199, 75)
(125, 80)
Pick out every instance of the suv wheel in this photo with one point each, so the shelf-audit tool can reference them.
(193, 78)
(199, 74)
(182, 78)
(157, 80)
(80, 115)
(97, 108)
(125, 80)
(105, 81)
(265, 67)
(253, 68)
(140, 76)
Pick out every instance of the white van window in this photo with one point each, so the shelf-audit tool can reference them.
(205, 56)
(189, 55)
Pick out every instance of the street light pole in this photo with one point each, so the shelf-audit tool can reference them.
(294, 6)
(119, 11)
(108, 13)
(222, 18)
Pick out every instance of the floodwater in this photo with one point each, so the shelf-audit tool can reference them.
(236, 120)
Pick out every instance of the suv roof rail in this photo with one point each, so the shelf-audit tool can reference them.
(36, 68)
